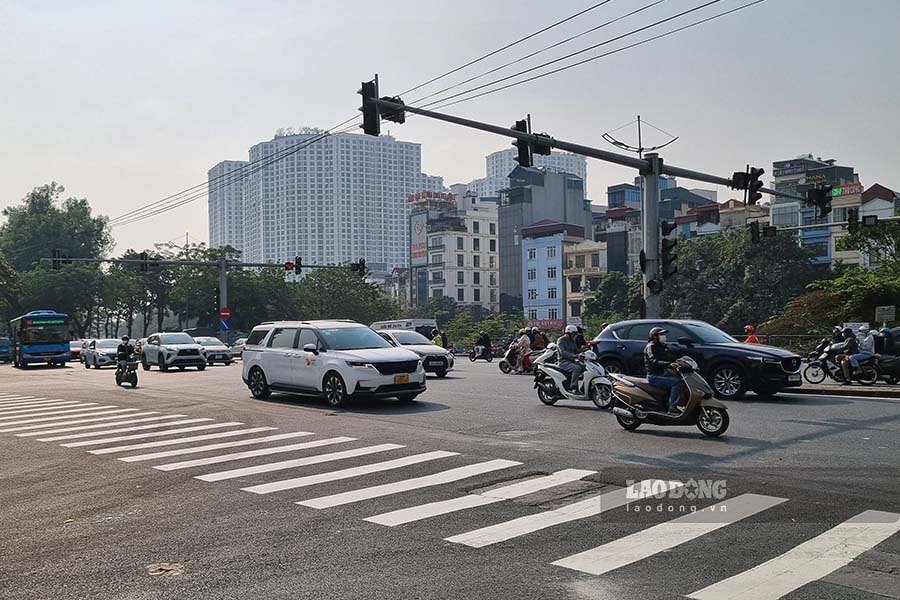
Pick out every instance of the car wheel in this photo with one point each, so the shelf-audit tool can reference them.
(162, 363)
(144, 364)
(334, 389)
(228, 363)
(199, 367)
(405, 398)
(728, 382)
(258, 385)
(712, 421)
(442, 373)
(86, 365)
(611, 365)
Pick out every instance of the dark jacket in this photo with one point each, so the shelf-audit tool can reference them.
(657, 358)
(125, 351)
(485, 340)
(848, 346)
(444, 341)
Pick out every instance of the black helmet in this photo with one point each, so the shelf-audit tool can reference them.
(655, 332)
(434, 332)
(124, 338)
(848, 332)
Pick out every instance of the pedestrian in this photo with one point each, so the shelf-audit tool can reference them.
(751, 335)
(436, 338)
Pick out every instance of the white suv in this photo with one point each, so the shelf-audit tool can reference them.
(334, 359)
(172, 350)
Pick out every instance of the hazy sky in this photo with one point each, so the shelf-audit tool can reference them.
(125, 103)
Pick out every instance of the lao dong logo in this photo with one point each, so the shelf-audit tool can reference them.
(692, 489)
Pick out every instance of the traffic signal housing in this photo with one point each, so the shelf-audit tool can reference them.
(820, 198)
(144, 265)
(298, 265)
(371, 115)
(755, 185)
(525, 157)
(359, 267)
(852, 220)
(754, 232)
(667, 250)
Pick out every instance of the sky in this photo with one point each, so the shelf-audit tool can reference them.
(125, 103)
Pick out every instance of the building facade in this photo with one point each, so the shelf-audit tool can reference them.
(585, 264)
(226, 204)
(498, 166)
(543, 256)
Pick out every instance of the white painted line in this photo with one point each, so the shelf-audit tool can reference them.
(75, 436)
(409, 484)
(664, 536)
(37, 405)
(571, 512)
(37, 411)
(443, 507)
(79, 421)
(15, 398)
(152, 434)
(289, 484)
(297, 462)
(219, 446)
(213, 460)
(187, 440)
(67, 411)
(808, 562)
(130, 421)
(44, 420)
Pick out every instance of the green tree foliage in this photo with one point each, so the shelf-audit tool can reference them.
(74, 290)
(618, 297)
(442, 309)
(340, 294)
(880, 243)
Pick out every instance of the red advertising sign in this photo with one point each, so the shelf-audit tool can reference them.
(225, 313)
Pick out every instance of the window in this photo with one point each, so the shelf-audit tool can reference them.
(492, 262)
(476, 278)
(575, 283)
(532, 314)
(307, 336)
(551, 293)
(575, 308)
(553, 313)
(532, 294)
(461, 294)
(551, 272)
(461, 277)
(460, 243)
(551, 251)
(437, 259)
(492, 228)
(492, 245)
(476, 244)
(493, 295)
(353, 338)
(595, 260)
(283, 338)
(579, 261)
(839, 214)
(460, 260)
(492, 279)
(437, 293)
(476, 295)
(476, 261)
(475, 227)
(532, 253)
(532, 274)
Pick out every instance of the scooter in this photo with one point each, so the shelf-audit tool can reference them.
(126, 372)
(508, 362)
(889, 366)
(637, 402)
(826, 365)
(481, 352)
(554, 384)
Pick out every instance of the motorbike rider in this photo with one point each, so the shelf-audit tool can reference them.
(866, 346)
(846, 348)
(538, 339)
(483, 345)
(579, 338)
(124, 351)
(657, 360)
(837, 335)
(568, 351)
(888, 346)
(523, 345)
(751, 335)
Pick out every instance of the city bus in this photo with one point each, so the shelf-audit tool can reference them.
(41, 336)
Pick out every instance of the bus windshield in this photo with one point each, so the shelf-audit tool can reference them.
(45, 334)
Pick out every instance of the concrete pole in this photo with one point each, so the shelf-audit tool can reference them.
(223, 293)
(650, 230)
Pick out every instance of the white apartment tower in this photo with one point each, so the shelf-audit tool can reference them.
(226, 204)
(341, 198)
(501, 163)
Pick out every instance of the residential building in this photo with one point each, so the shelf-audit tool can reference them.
(226, 204)
(498, 166)
(534, 195)
(876, 201)
(585, 264)
(734, 214)
(340, 199)
(627, 194)
(544, 245)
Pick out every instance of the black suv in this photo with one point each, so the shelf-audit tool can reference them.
(732, 368)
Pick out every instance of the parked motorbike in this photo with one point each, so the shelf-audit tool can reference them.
(554, 384)
(481, 352)
(126, 372)
(889, 366)
(637, 402)
(823, 364)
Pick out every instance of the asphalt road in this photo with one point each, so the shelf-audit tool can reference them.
(95, 516)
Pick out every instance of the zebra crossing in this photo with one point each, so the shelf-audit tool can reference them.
(172, 443)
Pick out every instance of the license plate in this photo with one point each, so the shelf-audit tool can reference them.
(401, 378)
(436, 362)
(794, 377)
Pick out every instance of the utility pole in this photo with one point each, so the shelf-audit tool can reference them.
(650, 233)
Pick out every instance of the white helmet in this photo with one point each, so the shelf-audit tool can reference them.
(571, 329)
(863, 329)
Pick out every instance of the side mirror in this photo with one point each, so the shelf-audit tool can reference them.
(685, 341)
(310, 348)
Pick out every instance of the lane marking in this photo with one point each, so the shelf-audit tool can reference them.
(808, 562)
(443, 507)
(656, 539)
(63, 418)
(212, 460)
(397, 463)
(570, 512)
(219, 446)
(186, 440)
(56, 411)
(39, 405)
(297, 462)
(151, 434)
(101, 425)
(409, 484)
(75, 436)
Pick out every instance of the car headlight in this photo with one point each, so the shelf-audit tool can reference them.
(360, 365)
(765, 359)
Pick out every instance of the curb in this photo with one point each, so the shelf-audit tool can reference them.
(860, 392)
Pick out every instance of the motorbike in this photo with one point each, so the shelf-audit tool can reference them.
(637, 402)
(126, 372)
(554, 384)
(481, 352)
(889, 366)
(509, 360)
(822, 363)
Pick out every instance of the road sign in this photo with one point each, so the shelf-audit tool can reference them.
(225, 313)
(225, 324)
(885, 313)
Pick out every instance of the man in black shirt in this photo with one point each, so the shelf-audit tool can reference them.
(657, 360)
(125, 351)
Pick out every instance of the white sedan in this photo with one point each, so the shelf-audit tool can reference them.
(434, 358)
(216, 350)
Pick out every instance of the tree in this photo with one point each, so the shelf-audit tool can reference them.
(340, 294)
(74, 290)
(9, 285)
(442, 309)
(880, 243)
(856, 292)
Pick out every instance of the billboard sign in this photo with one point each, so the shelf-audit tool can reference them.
(847, 189)
(418, 239)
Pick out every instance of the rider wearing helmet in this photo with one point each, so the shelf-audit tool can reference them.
(484, 344)
(436, 338)
(848, 347)
(657, 360)
(751, 335)
(538, 341)
(125, 351)
(568, 350)
(866, 346)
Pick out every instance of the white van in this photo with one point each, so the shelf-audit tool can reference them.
(423, 326)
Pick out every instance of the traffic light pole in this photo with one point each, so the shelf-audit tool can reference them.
(650, 232)
(223, 297)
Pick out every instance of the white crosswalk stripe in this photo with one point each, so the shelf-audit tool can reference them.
(145, 435)
(89, 407)
(571, 512)
(409, 484)
(664, 536)
(63, 418)
(75, 436)
(219, 446)
(37, 411)
(213, 460)
(128, 421)
(808, 562)
(80, 421)
(39, 405)
(14, 398)
(186, 440)
(397, 463)
(298, 462)
(443, 507)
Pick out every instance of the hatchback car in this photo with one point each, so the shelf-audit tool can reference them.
(434, 358)
(237, 348)
(167, 350)
(731, 367)
(334, 359)
(100, 353)
(216, 350)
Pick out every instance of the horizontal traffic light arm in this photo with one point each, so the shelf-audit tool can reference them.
(642, 164)
(835, 224)
(193, 263)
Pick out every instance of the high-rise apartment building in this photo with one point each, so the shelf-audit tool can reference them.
(226, 204)
(498, 166)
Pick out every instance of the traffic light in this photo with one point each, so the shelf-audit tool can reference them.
(755, 185)
(820, 197)
(852, 220)
(144, 266)
(371, 115)
(754, 232)
(740, 180)
(298, 265)
(397, 115)
(359, 267)
(667, 247)
(216, 303)
(525, 158)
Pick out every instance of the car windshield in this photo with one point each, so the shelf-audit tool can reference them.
(353, 338)
(410, 338)
(72, 345)
(175, 338)
(107, 343)
(708, 334)
(208, 341)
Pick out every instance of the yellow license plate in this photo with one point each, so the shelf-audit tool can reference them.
(401, 378)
